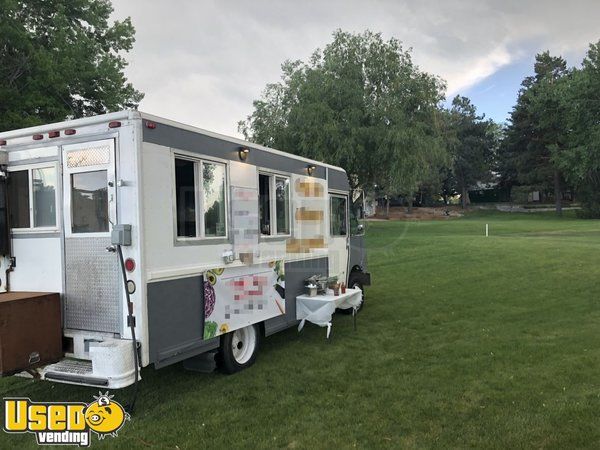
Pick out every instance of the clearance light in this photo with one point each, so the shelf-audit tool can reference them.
(54, 134)
(129, 265)
(2, 142)
(114, 124)
(70, 132)
(150, 125)
(38, 137)
(243, 153)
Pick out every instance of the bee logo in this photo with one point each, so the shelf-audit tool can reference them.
(105, 416)
(65, 423)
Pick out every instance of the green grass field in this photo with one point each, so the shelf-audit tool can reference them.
(466, 341)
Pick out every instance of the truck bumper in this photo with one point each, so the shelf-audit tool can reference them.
(363, 277)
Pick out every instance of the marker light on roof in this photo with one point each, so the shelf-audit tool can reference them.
(54, 134)
(70, 132)
(2, 142)
(38, 137)
(114, 124)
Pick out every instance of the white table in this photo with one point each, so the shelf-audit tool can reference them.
(319, 309)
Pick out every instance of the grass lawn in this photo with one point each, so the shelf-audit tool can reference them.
(466, 341)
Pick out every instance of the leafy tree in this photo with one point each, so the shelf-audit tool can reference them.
(360, 103)
(578, 157)
(61, 59)
(535, 133)
(472, 142)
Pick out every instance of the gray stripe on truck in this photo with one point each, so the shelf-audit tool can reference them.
(176, 313)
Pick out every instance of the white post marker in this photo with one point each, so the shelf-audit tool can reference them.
(487, 230)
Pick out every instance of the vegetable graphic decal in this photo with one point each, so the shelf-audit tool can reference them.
(209, 291)
(235, 297)
(210, 329)
(280, 270)
(209, 299)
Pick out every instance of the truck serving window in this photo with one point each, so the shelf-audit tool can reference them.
(213, 190)
(18, 199)
(36, 187)
(44, 197)
(200, 183)
(185, 194)
(274, 204)
(282, 204)
(338, 218)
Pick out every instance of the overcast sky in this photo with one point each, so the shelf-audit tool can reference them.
(203, 62)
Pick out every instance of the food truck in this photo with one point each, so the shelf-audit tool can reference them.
(129, 240)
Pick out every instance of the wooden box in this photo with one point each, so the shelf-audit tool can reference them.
(30, 330)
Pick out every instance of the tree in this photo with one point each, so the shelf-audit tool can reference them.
(578, 156)
(472, 143)
(61, 59)
(535, 132)
(360, 103)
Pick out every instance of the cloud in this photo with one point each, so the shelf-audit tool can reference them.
(203, 62)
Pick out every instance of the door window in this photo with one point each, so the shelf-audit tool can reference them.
(89, 202)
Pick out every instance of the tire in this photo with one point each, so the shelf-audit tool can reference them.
(353, 282)
(239, 349)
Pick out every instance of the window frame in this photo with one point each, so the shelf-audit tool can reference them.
(344, 197)
(198, 161)
(273, 203)
(30, 168)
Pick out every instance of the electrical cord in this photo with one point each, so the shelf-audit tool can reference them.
(130, 319)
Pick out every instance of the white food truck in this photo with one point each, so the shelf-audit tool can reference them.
(177, 240)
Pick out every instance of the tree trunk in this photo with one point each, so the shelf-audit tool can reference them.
(557, 193)
(387, 207)
(464, 197)
(409, 204)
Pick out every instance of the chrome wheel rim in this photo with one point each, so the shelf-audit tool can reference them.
(243, 344)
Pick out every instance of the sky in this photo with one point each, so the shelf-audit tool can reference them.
(203, 62)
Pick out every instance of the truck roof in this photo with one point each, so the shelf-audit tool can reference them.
(133, 114)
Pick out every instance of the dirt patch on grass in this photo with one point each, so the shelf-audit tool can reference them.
(401, 213)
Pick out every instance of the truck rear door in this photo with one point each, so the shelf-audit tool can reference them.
(92, 295)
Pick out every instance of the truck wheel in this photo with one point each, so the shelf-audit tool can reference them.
(239, 349)
(354, 283)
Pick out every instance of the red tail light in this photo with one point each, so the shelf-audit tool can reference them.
(129, 265)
